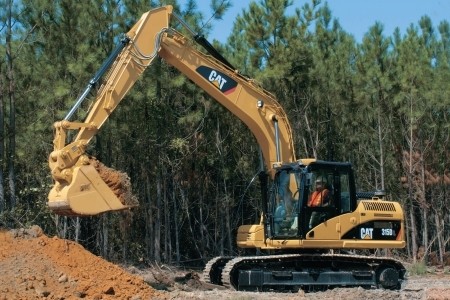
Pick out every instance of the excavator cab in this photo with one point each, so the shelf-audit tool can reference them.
(304, 196)
(316, 203)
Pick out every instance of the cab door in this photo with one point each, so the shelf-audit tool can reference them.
(328, 191)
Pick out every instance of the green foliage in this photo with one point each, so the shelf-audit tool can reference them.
(220, 7)
(419, 268)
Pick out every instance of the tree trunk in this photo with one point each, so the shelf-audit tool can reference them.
(157, 242)
(77, 229)
(2, 142)
(104, 236)
(167, 244)
(381, 149)
(61, 227)
(227, 206)
(440, 240)
(413, 236)
(125, 220)
(175, 229)
(12, 109)
(149, 232)
(407, 226)
(203, 240)
(312, 142)
(411, 192)
(219, 232)
(425, 231)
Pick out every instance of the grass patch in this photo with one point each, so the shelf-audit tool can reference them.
(419, 268)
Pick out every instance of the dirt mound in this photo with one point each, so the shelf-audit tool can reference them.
(34, 266)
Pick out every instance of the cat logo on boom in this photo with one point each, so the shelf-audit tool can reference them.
(221, 81)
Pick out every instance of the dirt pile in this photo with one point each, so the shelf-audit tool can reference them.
(34, 266)
(118, 182)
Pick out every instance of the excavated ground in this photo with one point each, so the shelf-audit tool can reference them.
(34, 266)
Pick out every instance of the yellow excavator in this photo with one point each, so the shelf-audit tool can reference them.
(312, 218)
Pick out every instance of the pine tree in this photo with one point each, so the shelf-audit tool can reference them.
(414, 71)
(376, 89)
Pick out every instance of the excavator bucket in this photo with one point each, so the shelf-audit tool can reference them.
(94, 189)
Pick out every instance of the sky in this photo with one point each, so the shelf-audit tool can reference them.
(355, 16)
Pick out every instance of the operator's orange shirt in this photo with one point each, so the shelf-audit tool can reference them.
(318, 198)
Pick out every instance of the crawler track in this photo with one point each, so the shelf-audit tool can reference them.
(292, 272)
(212, 273)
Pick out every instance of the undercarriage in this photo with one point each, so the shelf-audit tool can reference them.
(309, 272)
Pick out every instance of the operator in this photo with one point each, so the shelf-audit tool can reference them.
(319, 198)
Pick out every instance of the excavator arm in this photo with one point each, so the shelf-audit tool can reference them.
(80, 188)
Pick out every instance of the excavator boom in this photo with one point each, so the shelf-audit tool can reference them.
(79, 187)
